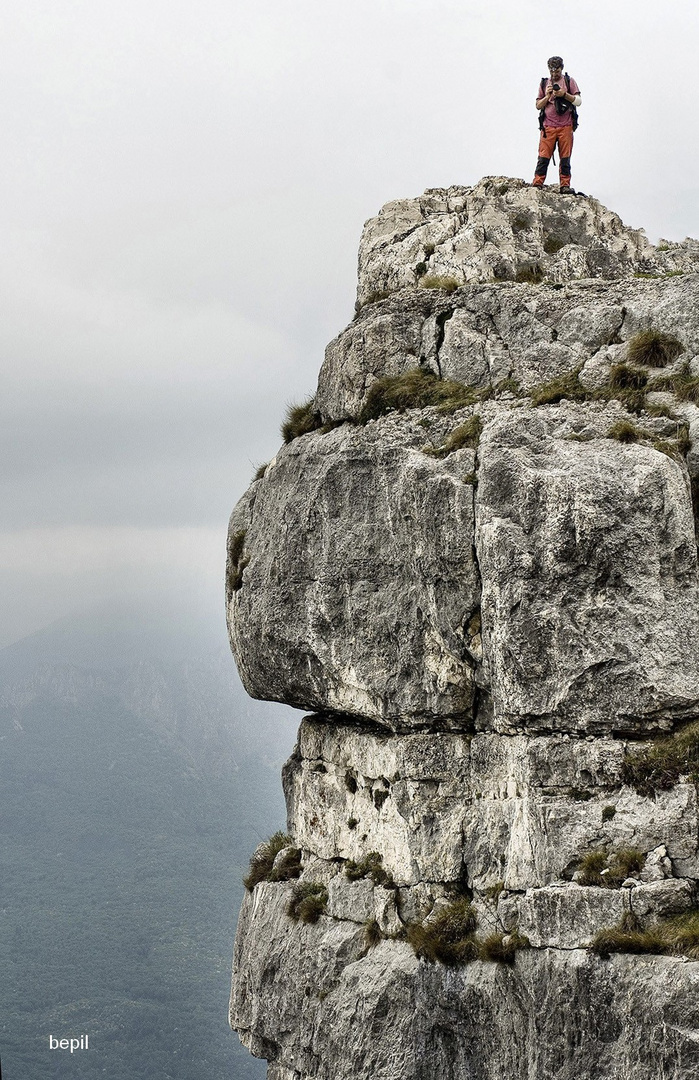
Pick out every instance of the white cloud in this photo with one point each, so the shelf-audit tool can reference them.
(67, 550)
(182, 194)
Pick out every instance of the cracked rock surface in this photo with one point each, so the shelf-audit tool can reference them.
(490, 607)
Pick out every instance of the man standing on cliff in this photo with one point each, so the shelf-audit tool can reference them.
(557, 102)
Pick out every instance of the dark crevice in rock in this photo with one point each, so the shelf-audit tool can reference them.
(615, 337)
(238, 559)
(458, 723)
(694, 485)
(440, 323)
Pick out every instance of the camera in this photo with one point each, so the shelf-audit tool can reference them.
(556, 86)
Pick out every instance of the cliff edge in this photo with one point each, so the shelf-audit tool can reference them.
(474, 562)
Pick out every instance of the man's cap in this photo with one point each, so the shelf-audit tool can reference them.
(554, 62)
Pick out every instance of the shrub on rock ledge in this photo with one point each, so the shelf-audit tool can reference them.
(598, 868)
(439, 281)
(448, 937)
(466, 435)
(502, 948)
(237, 561)
(625, 432)
(300, 420)
(372, 933)
(414, 389)
(309, 901)
(566, 387)
(370, 866)
(683, 384)
(653, 348)
(262, 863)
(659, 766)
(675, 936)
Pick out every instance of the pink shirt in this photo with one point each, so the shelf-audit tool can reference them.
(552, 119)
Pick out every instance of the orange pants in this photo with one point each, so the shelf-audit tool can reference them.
(547, 144)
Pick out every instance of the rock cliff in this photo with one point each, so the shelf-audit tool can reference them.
(474, 562)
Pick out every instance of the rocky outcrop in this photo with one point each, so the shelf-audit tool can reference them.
(484, 335)
(374, 534)
(504, 230)
(339, 1011)
(580, 545)
(478, 570)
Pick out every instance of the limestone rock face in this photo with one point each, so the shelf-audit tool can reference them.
(580, 545)
(503, 230)
(481, 334)
(510, 810)
(357, 596)
(489, 602)
(345, 1011)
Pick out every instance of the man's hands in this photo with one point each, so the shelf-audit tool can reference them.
(551, 93)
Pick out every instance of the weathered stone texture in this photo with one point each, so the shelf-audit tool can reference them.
(486, 809)
(321, 1005)
(590, 603)
(500, 229)
(487, 638)
(349, 792)
(569, 916)
(482, 334)
(361, 578)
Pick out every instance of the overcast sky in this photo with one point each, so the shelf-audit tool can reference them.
(183, 190)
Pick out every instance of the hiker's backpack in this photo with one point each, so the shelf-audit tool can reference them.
(561, 106)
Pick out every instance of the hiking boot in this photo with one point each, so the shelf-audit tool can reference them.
(565, 189)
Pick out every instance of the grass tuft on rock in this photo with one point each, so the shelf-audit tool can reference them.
(653, 348)
(466, 435)
(449, 937)
(608, 871)
(502, 948)
(676, 448)
(591, 866)
(414, 389)
(374, 297)
(236, 563)
(440, 281)
(372, 933)
(262, 861)
(625, 432)
(674, 936)
(627, 377)
(300, 420)
(370, 866)
(659, 765)
(683, 384)
(287, 867)
(566, 386)
(309, 900)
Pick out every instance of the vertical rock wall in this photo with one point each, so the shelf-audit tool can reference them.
(488, 599)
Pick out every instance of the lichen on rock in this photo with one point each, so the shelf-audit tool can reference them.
(479, 573)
